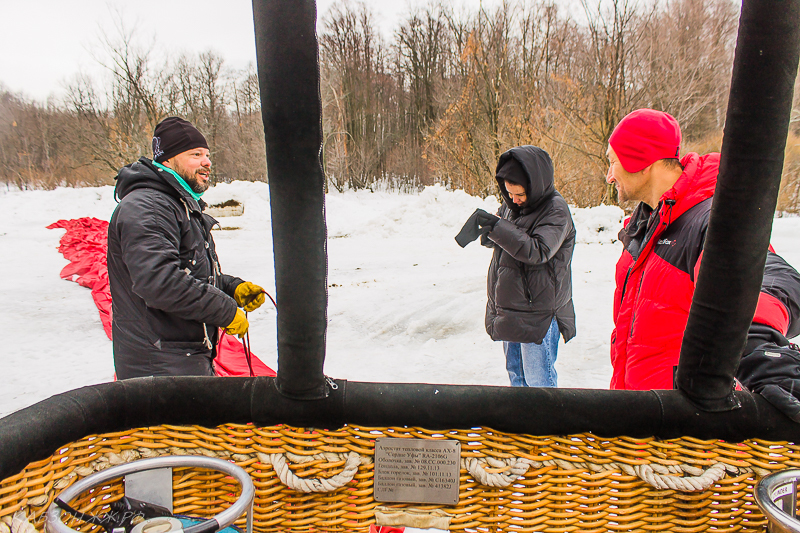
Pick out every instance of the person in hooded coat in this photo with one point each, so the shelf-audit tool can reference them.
(169, 295)
(529, 283)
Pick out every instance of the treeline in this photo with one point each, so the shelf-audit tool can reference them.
(452, 91)
(93, 132)
(437, 102)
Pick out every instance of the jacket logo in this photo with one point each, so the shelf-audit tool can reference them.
(667, 242)
(157, 151)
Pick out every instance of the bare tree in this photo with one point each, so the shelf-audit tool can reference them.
(358, 102)
(686, 62)
(440, 102)
(468, 139)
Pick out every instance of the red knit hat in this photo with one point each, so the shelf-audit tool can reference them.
(645, 136)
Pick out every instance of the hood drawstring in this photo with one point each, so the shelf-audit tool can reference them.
(186, 206)
(207, 340)
(670, 202)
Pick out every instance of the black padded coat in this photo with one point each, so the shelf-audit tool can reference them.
(168, 294)
(530, 276)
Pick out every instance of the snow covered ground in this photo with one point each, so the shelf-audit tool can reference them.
(406, 303)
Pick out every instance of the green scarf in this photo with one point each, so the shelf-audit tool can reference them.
(183, 183)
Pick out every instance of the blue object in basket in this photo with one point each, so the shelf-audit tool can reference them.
(189, 521)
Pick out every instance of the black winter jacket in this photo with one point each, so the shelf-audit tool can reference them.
(530, 276)
(168, 293)
(770, 365)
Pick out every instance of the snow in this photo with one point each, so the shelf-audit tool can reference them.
(406, 303)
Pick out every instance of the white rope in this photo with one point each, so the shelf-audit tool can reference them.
(683, 484)
(16, 524)
(329, 457)
(681, 477)
(659, 476)
(513, 469)
(285, 474)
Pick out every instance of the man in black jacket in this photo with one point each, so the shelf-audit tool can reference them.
(770, 364)
(530, 276)
(169, 296)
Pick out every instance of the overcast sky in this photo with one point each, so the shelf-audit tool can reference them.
(45, 43)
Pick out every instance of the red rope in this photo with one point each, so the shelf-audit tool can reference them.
(247, 354)
(246, 340)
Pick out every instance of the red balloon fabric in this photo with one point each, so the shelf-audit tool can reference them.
(231, 359)
(386, 529)
(85, 245)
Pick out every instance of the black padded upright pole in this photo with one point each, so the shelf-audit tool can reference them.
(288, 75)
(756, 126)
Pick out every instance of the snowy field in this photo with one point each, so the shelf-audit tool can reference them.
(406, 303)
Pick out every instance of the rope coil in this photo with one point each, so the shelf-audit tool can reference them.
(512, 469)
(17, 524)
(488, 471)
(659, 476)
(294, 482)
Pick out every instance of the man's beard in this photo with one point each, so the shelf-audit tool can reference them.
(627, 195)
(191, 179)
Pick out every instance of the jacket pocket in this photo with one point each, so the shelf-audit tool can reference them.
(183, 359)
(511, 289)
(526, 283)
(136, 330)
(196, 264)
(538, 286)
(183, 348)
(171, 329)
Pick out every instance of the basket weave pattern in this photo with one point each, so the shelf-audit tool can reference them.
(575, 483)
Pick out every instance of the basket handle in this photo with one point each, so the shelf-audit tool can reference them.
(285, 474)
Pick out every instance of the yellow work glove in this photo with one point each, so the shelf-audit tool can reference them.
(238, 325)
(249, 296)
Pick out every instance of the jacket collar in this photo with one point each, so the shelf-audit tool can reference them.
(695, 184)
(186, 187)
(144, 175)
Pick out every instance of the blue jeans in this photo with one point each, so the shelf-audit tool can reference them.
(531, 364)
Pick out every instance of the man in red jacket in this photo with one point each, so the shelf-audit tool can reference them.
(663, 244)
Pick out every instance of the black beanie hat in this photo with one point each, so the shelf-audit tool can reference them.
(512, 171)
(173, 136)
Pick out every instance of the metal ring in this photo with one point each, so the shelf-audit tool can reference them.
(779, 520)
(244, 504)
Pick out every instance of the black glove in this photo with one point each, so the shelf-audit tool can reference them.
(773, 371)
(478, 224)
(486, 219)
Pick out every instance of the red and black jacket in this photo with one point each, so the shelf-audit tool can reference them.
(656, 275)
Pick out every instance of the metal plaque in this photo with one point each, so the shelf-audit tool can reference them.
(417, 470)
(151, 486)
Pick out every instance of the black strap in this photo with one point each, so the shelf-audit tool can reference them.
(103, 521)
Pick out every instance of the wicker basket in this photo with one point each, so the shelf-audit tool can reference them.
(573, 483)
